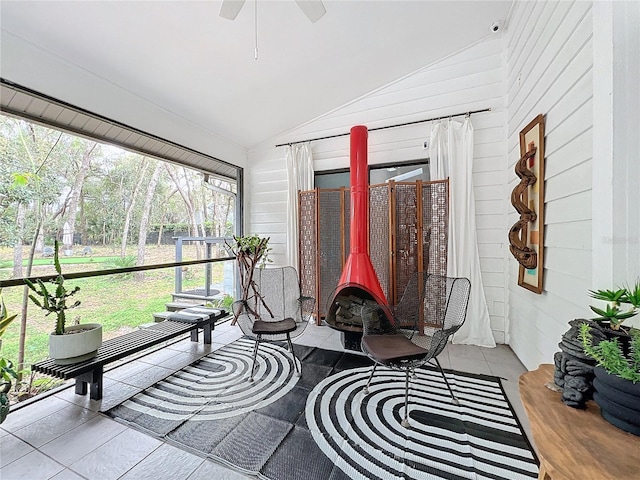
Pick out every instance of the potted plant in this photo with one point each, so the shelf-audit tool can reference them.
(67, 344)
(613, 316)
(251, 251)
(573, 373)
(7, 373)
(617, 378)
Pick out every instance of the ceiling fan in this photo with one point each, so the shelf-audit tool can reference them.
(313, 9)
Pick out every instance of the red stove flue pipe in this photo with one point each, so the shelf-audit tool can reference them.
(358, 270)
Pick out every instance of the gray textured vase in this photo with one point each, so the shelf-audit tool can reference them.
(76, 347)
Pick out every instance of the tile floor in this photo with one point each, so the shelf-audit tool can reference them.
(65, 437)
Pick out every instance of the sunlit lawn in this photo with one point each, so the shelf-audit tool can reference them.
(63, 261)
(119, 304)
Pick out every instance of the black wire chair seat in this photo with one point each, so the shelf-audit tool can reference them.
(416, 330)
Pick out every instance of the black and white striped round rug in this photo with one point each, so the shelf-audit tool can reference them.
(480, 438)
(215, 387)
(322, 427)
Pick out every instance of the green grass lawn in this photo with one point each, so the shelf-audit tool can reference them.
(119, 304)
(63, 261)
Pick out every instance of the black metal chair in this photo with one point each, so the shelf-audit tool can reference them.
(280, 313)
(416, 330)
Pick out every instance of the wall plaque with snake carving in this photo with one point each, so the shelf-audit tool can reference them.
(526, 236)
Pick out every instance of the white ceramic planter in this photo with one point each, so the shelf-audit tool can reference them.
(76, 347)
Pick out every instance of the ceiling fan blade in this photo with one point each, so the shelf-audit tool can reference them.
(230, 8)
(313, 9)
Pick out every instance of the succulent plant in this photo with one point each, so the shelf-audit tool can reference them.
(613, 313)
(54, 301)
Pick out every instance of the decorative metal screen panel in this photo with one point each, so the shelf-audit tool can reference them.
(435, 232)
(406, 258)
(379, 232)
(308, 244)
(418, 222)
(330, 240)
(347, 221)
(435, 228)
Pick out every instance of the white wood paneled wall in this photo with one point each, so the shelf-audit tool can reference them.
(469, 80)
(549, 71)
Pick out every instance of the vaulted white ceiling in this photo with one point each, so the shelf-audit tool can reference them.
(183, 58)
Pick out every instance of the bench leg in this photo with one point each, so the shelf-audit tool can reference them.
(194, 335)
(206, 332)
(94, 379)
(81, 387)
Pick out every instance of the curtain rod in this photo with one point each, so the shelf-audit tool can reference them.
(388, 126)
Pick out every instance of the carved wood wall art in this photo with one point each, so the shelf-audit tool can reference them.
(526, 236)
(526, 256)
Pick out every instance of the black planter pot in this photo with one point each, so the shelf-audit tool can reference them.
(618, 399)
(623, 337)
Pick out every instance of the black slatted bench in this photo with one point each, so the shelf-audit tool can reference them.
(89, 372)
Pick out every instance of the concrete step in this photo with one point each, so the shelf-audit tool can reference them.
(190, 296)
(176, 306)
(160, 316)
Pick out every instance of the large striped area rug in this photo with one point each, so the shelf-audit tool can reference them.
(321, 426)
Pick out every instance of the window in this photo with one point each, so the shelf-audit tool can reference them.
(400, 172)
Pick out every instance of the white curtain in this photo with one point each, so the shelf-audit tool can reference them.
(451, 155)
(300, 177)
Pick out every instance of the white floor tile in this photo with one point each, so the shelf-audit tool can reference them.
(470, 365)
(21, 417)
(508, 371)
(443, 358)
(54, 425)
(499, 354)
(67, 474)
(310, 340)
(160, 356)
(113, 393)
(12, 448)
(33, 466)
(332, 343)
(210, 470)
(165, 463)
(196, 348)
(464, 352)
(228, 337)
(182, 359)
(82, 440)
(127, 370)
(114, 458)
(147, 377)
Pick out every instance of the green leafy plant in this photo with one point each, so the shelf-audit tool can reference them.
(7, 373)
(121, 262)
(613, 313)
(34, 385)
(54, 301)
(252, 246)
(609, 354)
(5, 318)
(223, 302)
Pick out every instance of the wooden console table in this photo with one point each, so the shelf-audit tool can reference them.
(575, 444)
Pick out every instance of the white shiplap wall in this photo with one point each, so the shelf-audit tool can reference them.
(469, 80)
(549, 70)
